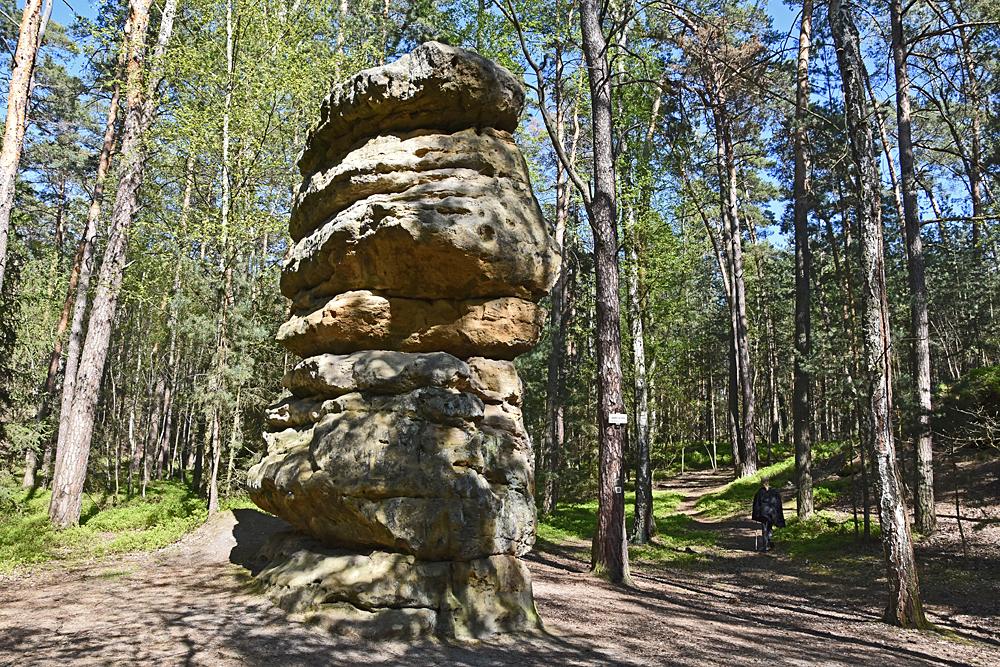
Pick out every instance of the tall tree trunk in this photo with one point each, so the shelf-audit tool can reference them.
(554, 437)
(235, 442)
(48, 388)
(801, 431)
(749, 462)
(610, 549)
(904, 607)
(643, 527)
(970, 88)
(924, 513)
(222, 334)
(712, 428)
(555, 431)
(18, 96)
(74, 452)
(87, 260)
(732, 376)
(198, 471)
(733, 242)
(151, 438)
(174, 313)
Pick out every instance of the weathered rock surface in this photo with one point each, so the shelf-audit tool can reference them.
(376, 372)
(360, 320)
(421, 472)
(420, 255)
(434, 87)
(391, 372)
(394, 163)
(381, 594)
(465, 235)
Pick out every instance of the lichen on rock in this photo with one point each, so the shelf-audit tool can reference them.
(400, 454)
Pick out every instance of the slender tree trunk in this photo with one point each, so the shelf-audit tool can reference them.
(749, 462)
(18, 96)
(970, 88)
(610, 548)
(924, 513)
(235, 442)
(712, 428)
(643, 527)
(71, 464)
(904, 607)
(133, 451)
(554, 437)
(87, 262)
(198, 473)
(163, 457)
(732, 377)
(222, 334)
(151, 439)
(48, 388)
(801, 431)
(733, 405)
(733, 235)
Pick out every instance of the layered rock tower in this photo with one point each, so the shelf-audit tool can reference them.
(419, 256)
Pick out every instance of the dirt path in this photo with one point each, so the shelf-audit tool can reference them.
(737, 534)
(189, 605)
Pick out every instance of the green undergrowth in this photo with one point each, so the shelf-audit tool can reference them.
(827, 538)
(736, 498)
(677, 540)
(169, 510)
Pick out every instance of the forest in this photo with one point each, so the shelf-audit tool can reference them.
(778, 231)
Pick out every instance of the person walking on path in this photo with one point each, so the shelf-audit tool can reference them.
(767, 510)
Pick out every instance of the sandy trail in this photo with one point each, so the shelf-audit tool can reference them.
(190, 605)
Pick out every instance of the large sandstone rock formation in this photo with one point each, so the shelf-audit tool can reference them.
(400, 452)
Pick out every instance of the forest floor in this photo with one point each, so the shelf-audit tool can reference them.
(719, 602)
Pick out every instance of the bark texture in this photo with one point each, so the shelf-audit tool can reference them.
(609, 556)
(923, 497)
(22, 69)
(73, 452)
(801, 430)
(904, 607)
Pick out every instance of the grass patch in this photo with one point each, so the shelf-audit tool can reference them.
(830, 490)
(675, 532)
(827, 538)
(169, 510)
(736, 498)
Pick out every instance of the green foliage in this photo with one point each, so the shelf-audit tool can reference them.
(830, 490)
(826, 537)
(572, 522)
(169, 510)
(979, 388)
(969, 410)
(736, 498)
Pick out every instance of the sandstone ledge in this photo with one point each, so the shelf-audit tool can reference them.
(460, 235)
(434, 472)
(434, 86)
(501, 328)
(380, 594)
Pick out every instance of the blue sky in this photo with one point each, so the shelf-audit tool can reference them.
(64, 11)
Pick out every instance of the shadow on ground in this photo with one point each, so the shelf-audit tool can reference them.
(191, 605)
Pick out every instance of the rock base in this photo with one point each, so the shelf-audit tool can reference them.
(388, 595)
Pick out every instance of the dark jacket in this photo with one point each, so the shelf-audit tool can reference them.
(767, 507)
